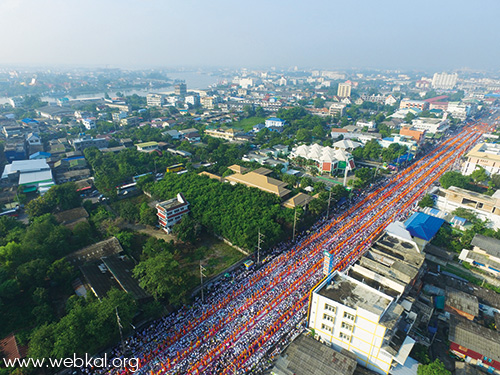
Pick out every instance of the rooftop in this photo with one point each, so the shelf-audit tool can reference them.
(475, 337)
(179, 200)
(298, 200)
(462, 301)
(262, 182)
(486, 151)
(488, 244)
(307, 356)
(349, 292)
(423, 226)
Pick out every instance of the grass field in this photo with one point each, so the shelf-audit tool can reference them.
(248, 123)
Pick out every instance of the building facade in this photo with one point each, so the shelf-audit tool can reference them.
(484, 155)
(444, 81)
(171, 212)
(344, 90)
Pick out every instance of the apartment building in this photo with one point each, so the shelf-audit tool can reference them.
(366, 310)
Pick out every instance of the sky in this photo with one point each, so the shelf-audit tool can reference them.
(438, 35)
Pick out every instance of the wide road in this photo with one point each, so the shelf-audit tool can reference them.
(241, 320)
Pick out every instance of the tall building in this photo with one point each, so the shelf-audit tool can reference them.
(180, 89)
(344, 90)
(444, 81)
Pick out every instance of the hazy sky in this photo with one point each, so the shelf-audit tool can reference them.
(435, 35)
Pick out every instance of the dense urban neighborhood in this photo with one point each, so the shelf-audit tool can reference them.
(266, 223)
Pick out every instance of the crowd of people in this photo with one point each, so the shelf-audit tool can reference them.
(245, 320)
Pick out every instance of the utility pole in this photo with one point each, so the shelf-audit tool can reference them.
(345, 174)
(120, 327)
(329, 200)
(201, 278)
(258, 246)
(294, 223)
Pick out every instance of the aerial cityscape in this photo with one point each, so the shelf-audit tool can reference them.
(268, 188)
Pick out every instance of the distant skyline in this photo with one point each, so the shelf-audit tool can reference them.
(424, 35)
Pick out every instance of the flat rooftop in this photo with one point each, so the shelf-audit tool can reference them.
(351, 293)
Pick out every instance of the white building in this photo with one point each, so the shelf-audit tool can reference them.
(194, 100)
(327, 159)
(118, 116)
(431, 125)
(337, 108)
(246, 82)
(390, 100)
(484, 155)
(171, 212)
(16, 102)
(458, 110)
(208, 102)
(444, 81)
(485, 254)
(363, 320)
(88, 123)
(483, 206)
(399, 139)
(368, 124)
(155, 100)
(274, 121)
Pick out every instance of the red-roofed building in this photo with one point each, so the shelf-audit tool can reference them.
(10, 350)
(436, 98)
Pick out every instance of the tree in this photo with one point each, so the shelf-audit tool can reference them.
(161, 277)
(303, 135)
(316, 206)
(426, 201)
(305, 182)
(319, 102)
(318, 132)
(409, 117)
(480, 175)
(147, 215)
(433, 368)
(186, 230)
(453, 178)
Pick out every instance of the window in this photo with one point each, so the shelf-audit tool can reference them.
(348, 316)
(343, 336)
(347, 326)
(330, 308)
(328, 317)
(326, 327)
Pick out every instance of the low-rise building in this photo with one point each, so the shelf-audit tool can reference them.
(485, 254)
(171, 212)
(484, 155)
(155, 100)
(337, 109)
(88, 123)
(431, 125)
(274, 122)
(474, 343)
(410, 131)
(327, 158)
(258, 179)
(409, 103)
(485, 207)
(147, 146)
(80, 144)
